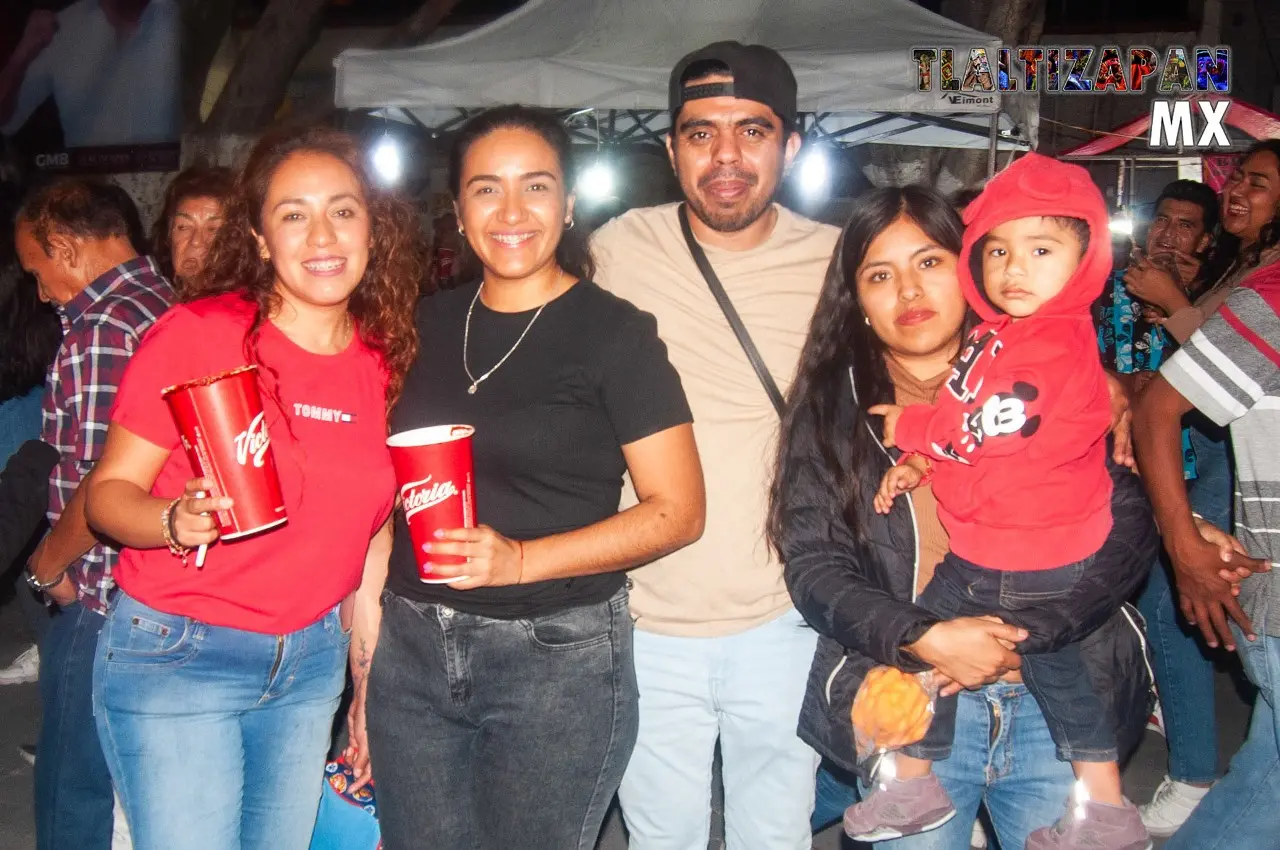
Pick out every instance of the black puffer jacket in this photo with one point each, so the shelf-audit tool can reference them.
(857, 596)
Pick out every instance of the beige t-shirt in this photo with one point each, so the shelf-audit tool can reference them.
(728, 581)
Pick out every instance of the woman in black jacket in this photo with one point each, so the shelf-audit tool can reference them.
(889, 322)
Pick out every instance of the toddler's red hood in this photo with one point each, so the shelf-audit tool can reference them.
(1038, 185)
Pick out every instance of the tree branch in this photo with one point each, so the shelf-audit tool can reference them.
(257, 84)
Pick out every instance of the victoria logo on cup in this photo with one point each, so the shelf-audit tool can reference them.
(253, 441)
(419, 495)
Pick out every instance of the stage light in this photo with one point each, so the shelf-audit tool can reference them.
(814, 173)
(387, 162)
(595, 183)
(1122, 225)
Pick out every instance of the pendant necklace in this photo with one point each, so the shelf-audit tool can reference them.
(466, 336)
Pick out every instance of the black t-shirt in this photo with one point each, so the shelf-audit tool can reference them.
(590, 377)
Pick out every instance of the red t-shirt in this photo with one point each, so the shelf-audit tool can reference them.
(330, 451)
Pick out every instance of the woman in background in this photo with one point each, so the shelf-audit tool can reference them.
(193, 210)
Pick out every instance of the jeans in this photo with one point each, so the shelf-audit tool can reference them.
(1003, 757)
(745, 689)
(1239, 812)
(1074, 713)
(73, 798)
(216, 736)
(490, 733)
(1183, 669)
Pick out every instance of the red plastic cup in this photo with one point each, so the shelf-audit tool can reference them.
(224, 433)
(437, 487)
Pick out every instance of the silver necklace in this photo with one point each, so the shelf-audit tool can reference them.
(466, 336)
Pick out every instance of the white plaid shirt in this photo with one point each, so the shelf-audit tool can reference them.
(101, 328)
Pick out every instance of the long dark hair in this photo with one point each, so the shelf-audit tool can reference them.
(382, 304)
(1228, 253)
(839, 340)
(572, 253)
(198, 181)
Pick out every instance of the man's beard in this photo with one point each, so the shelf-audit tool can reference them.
(738, 217)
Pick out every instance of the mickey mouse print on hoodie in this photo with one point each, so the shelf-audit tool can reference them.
(1019, 430)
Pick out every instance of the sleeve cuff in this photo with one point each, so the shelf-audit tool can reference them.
(1194, 385)
(910, 435)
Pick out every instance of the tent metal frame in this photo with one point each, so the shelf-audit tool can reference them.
(600, 126)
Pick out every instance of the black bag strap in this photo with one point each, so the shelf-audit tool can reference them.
(735, 322)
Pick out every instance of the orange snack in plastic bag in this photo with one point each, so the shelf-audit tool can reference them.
(891, 710)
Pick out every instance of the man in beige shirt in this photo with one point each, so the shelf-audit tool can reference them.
(720, 652)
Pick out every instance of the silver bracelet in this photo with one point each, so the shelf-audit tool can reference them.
(39, 586)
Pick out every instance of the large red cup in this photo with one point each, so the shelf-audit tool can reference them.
(437, 487)
(224, 433)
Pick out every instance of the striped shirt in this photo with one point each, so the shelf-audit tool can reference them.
(1230, 370)
(101, 328)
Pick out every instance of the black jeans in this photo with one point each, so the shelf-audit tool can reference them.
(491, 733)
(1082, 730)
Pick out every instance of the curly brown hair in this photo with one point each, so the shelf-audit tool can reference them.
(198, 181)
(382, 304)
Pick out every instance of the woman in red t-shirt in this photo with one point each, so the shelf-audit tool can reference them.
(215, 687)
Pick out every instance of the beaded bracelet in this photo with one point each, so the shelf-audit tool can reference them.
(171, 534)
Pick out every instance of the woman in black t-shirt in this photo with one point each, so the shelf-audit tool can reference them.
(502, 705)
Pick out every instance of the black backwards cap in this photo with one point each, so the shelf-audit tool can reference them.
(759, 73)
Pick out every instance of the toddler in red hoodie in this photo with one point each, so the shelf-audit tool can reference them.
(1016, 449)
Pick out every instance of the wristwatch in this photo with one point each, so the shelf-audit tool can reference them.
(40, 587)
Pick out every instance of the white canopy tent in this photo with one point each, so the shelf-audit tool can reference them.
(606, 63)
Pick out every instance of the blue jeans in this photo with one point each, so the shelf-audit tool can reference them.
(216, 737)
(1239, 812)
(488, 733)
(72, 785)
(1183, 668)
(1081, 728)
(1003, 756)
(746, 690)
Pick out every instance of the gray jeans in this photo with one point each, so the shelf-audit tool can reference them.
(500, 733)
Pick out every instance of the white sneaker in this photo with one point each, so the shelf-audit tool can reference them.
(979, 839)
(25, 668)
(1170, 806)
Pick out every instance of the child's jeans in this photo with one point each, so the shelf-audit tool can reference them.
(1081, 729)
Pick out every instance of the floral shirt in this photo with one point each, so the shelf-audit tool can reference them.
(1129, 343)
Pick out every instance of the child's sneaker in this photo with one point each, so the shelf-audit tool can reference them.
(899, 807)
(1095, 826)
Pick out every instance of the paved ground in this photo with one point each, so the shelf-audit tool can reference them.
(19, 723)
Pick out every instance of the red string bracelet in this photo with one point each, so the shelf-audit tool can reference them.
(928, 475)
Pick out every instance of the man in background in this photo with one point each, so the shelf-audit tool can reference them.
(112, 66)
(73, 237)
